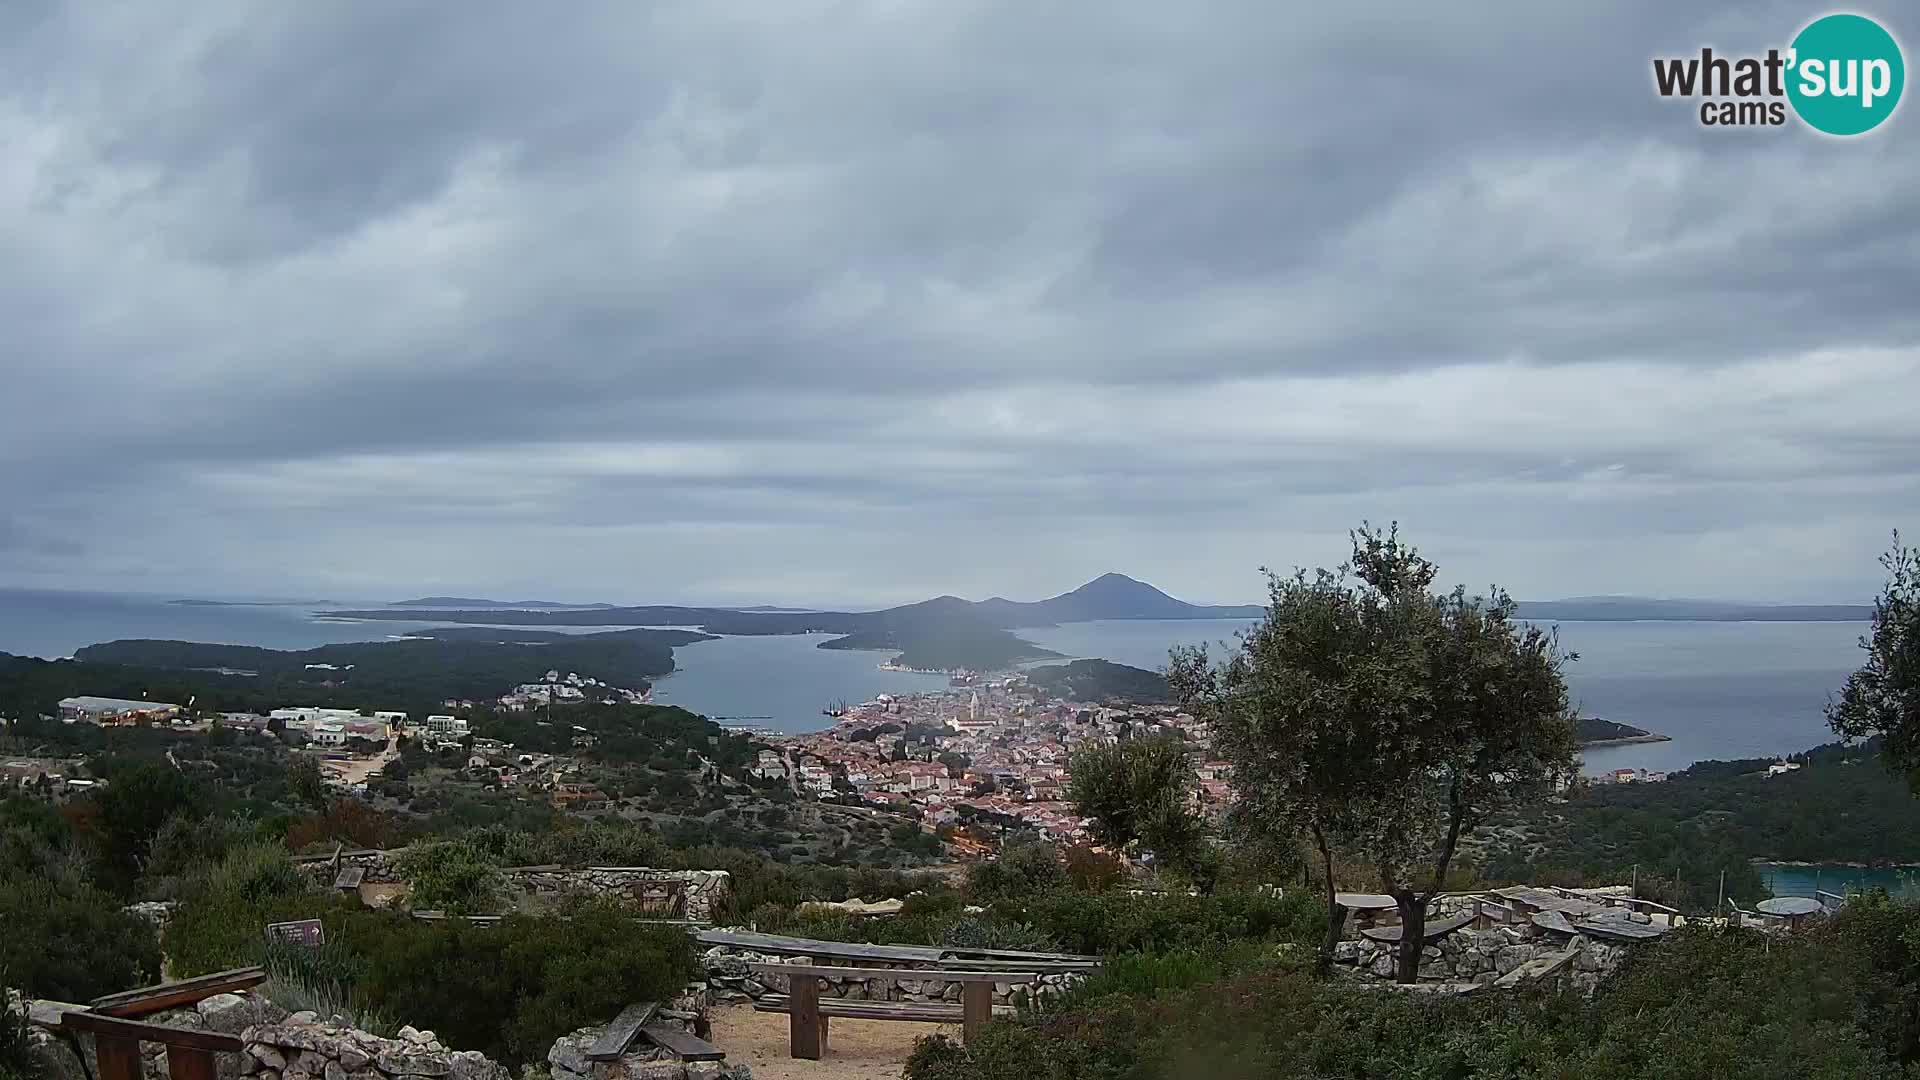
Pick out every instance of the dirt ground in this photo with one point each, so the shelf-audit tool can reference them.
(856, 1049)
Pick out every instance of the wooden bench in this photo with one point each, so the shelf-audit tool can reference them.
(117, 1037)
(808, 1013)
(153, 999)
(632, 1023)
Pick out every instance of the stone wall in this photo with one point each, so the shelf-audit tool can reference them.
(280, 1046)
(703, 890)
(301, 1047)
(731, 980)
(1483, 956)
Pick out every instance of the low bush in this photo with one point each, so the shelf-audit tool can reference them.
(1122, 922)
(60, 936)
(1021, 871)
(1701, 1004)
(222, 922)
(512, 988)
(452, 876)
(1151, 975)
(17, 1061)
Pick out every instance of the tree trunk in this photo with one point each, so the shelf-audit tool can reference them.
(1336, 915)
(1413, 935)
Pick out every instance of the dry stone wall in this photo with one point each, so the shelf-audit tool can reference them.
(732, 980)
(703, 891)
(301, 1047)
(1483, 956)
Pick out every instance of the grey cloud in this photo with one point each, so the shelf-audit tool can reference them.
(915, 297)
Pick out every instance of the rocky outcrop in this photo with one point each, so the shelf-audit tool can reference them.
(732, 980)
(157, 912)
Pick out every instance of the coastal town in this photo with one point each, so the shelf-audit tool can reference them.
(981, 751)
(985, 750)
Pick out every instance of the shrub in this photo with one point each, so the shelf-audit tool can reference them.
(17, 1060)
(512, 988)
(986, 932)
(1119, 922)
(1022, 870)
(320, 980)
(1152, 975)
(1698, 1005)
(222, 923)
(185, 846)
(1093, 871)
(452, 876)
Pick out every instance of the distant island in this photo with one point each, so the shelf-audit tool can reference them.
(945, 633)
(1102, 681)
(1593, 731)
(950, 633)
(245, 603)
(472, 604)
(415, 673)
(1647, 609)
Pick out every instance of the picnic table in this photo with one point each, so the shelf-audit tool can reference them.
(1790, 908)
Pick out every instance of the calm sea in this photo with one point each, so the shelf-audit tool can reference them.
(1785, 880)
(1718, 689)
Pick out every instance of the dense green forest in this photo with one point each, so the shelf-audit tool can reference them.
(1844, 805)
(414, 675)
(666, 736)
(1101, 680)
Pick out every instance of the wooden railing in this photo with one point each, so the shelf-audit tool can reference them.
(117, 1036)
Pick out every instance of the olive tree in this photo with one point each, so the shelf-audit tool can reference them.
(1383, 720)
(1142, 790)
(1883, 697)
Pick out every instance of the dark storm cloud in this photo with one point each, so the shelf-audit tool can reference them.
(828, 300)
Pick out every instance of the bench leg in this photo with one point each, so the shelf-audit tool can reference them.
(976, 1007)
(824, 1018)
(806, 1028)
(185, 1063)
(118, 1059)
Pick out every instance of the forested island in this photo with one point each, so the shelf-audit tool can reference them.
(1102, 681)
(414, 674)
(1593, 731)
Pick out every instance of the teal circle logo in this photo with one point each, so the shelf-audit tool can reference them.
(1846, 74)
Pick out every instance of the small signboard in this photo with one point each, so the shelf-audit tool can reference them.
(306, 932)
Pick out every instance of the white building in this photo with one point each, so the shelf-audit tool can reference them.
(309, 715)
(447, 725)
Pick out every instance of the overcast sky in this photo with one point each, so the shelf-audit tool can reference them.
(842, 302)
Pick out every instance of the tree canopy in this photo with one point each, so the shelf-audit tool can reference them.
(1385, 720)
(1141, 790)
(1883, 697)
